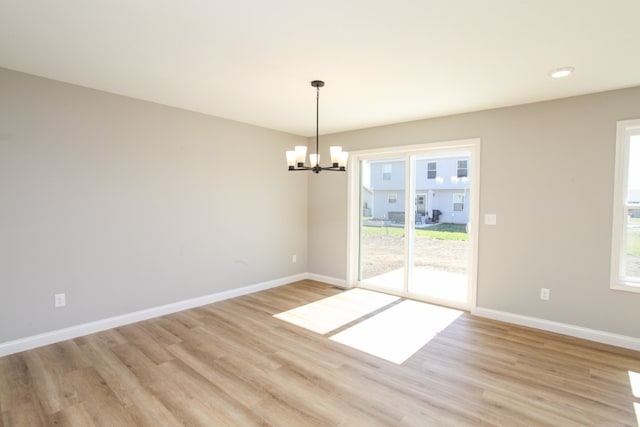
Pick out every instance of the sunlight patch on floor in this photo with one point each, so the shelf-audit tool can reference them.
(634, 380)
(333, 312)
(398, 332)
(426, 281)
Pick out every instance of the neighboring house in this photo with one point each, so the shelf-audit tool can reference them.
(367, 201)
(634, 198)
(442, 190)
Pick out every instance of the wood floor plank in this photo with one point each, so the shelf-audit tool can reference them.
(208, 403)
(115, 372)
(75, 415)
(146, 410)
(48, 381)
(26, 414)
(243, 391)
(147, 344)
(97, 398)
(233, 363)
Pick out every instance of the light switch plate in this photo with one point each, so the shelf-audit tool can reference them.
(60, 300)
(490, 219)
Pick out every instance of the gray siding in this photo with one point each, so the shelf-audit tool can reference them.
(439, 191)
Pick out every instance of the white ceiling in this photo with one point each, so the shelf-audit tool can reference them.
(383, 61)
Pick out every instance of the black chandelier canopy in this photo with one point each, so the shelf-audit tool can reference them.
(296, 158)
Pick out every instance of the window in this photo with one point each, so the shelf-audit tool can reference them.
(462, 169)
(625, 248)
(431, 170)
(458, 202)
(386, 172)
(392, 198)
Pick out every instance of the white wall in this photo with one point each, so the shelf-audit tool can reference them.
(547, 172)
(125, 205)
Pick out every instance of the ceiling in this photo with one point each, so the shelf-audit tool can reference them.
(383, 62)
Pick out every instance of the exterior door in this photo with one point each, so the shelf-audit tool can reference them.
(421, 204)
(439, 257)
(416, 242)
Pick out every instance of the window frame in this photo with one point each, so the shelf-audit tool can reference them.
(387, 170)
(626, 129)
(454, 203)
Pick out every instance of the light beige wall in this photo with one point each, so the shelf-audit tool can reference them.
(125, 205)
(547, 172)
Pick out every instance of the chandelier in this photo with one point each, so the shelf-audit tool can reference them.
(296, 159)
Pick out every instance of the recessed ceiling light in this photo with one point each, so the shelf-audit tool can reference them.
(559, 73)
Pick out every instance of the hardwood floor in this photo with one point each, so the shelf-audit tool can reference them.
(233, 364)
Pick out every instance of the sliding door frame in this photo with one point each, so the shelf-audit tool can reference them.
(409, 152)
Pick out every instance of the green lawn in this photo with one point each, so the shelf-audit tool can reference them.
(633, 244)
(443, 231)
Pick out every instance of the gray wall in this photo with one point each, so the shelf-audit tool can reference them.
(125, 205)
(547, 172)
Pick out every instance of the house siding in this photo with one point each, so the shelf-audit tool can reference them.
(439, 192)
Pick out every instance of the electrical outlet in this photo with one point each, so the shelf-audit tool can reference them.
(545, 294)
(294, 258)
(60, 300)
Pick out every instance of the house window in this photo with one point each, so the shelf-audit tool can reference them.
(625, 248)
(431, 170)
(392, 198)
(386, 172)
(458, 202)
(462, 169)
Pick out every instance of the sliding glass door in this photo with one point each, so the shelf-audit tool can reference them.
(439, 253)
(382, 243)
(414, 222)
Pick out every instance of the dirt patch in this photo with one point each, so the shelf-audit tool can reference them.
(383, 253)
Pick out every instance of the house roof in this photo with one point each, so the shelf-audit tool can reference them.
(383, 62)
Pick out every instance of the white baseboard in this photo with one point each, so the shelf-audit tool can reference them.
(560, 328)
(341, 283)
(22, 344)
